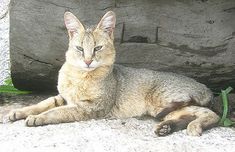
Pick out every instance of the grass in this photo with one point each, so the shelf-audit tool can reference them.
(9, 88)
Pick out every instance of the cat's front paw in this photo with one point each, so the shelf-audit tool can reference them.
(15, 115)
(34, 120)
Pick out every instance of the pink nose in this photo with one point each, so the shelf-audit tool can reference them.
(88, 62)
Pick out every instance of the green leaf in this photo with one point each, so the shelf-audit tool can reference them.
(228, 90)
(225, 105)
(228, 122)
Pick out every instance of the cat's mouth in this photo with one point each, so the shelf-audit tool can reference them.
(89, 68)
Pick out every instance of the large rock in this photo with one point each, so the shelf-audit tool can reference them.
(193, 37)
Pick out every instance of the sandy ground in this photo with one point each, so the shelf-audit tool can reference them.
(110, 135)
(103, 135)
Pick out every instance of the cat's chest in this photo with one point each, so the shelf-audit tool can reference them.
(81, 90)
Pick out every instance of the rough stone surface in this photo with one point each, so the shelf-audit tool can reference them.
(4, 41)
(126, 135)
(193, 37)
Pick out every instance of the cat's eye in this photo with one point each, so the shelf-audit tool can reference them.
(97, 48)
(79, 48)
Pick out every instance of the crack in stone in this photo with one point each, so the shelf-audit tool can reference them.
(203, 51)
(43, 62)
(108, 7)
(29, 57)
(58, 5)
(122, 33)
(229, 10)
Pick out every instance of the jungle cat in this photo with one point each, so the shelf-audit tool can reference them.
(91, 86)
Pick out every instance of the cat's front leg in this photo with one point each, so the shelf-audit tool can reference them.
(42, 106)
(63, 114)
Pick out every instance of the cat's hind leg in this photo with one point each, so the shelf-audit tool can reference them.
(206, 119)
(194, 118)
(42, 106)
(167, 127)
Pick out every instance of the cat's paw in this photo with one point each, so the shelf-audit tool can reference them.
(15, 115)
(194, 129)
(34, 120)
(163, 129)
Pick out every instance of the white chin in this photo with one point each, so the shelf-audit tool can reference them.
(88, 68)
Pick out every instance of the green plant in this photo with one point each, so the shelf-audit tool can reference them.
(8, 87)
(226, 122)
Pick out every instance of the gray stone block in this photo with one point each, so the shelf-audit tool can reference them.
(194, 37)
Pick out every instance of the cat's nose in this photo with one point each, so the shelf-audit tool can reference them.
(88, 62)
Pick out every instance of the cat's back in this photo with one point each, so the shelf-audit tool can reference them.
(165, 84)
(143, 75)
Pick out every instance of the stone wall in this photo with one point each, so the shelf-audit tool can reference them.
(193, 37)
(4, 41)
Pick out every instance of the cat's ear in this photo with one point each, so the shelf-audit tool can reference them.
(72, 24)
(107, 23)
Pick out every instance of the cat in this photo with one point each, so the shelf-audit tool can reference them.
(91, 86)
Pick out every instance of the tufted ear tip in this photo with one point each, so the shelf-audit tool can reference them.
(110, 13)
(67, 12)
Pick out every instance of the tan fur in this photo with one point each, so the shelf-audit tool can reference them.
(93, 87)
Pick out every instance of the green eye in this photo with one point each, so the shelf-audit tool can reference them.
(79, 48)
(97, 48)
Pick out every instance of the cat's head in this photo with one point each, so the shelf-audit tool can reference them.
(90, 48)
